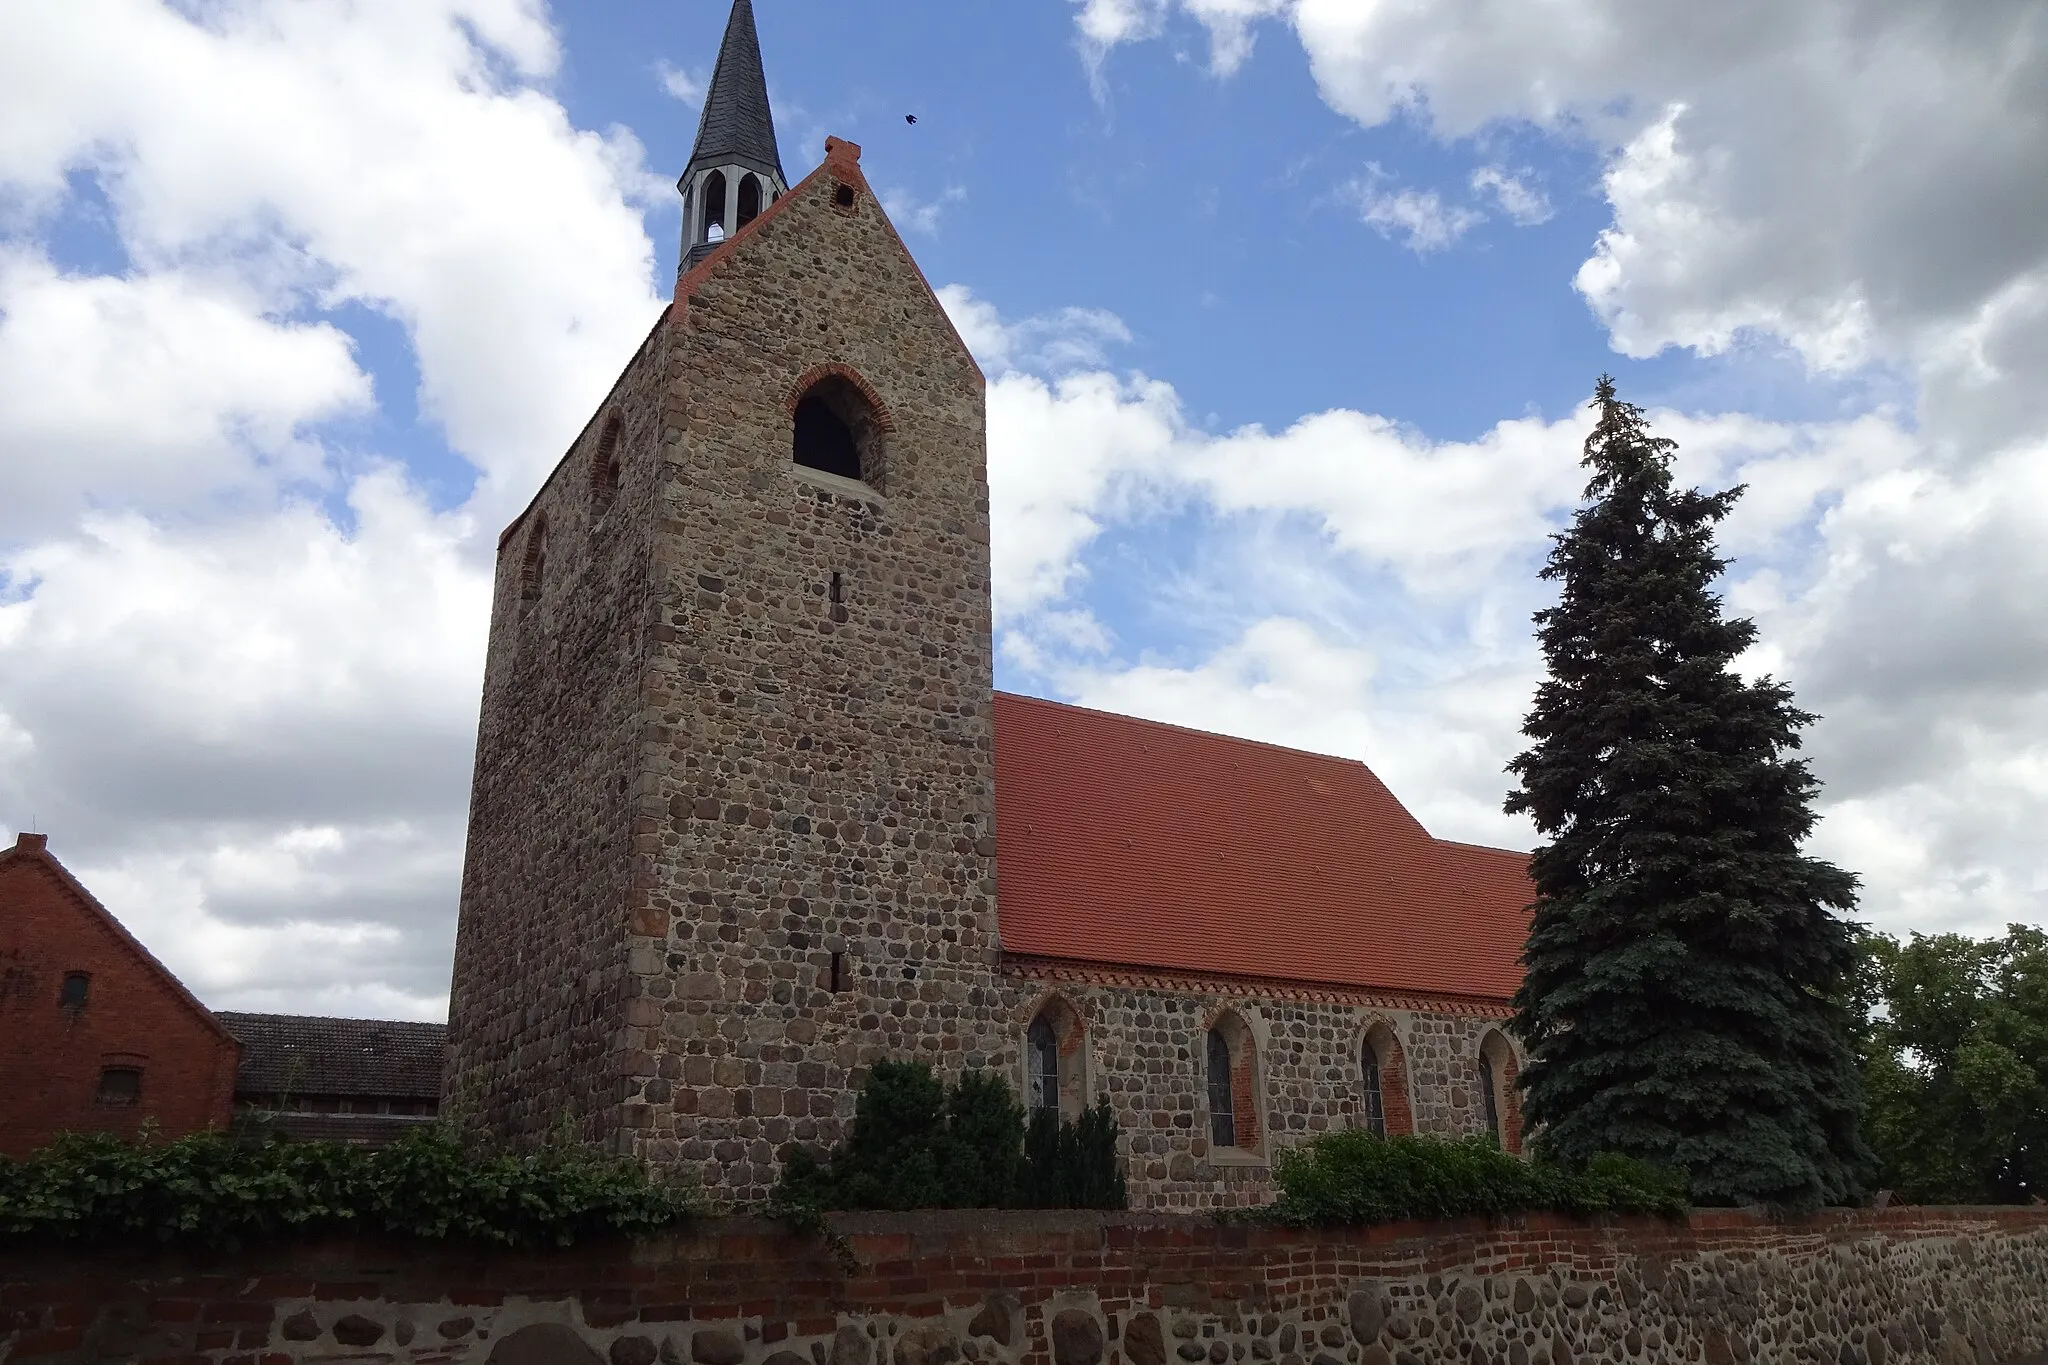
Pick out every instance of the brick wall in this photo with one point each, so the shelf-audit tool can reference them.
(135, 1016)
(1899, 1287)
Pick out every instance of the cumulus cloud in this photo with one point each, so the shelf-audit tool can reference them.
(1417, 219)
(1865, 186)
(238, 654)
(1523, 203)
(920, 216)
(680, 83)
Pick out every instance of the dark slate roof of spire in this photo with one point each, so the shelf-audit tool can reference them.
(737, 127)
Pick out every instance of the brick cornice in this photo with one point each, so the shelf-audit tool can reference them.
(1081, 972)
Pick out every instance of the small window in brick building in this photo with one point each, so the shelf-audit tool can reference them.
(1222, 1099)
(1496, 1098)
(843, 196)
(1487, 1096)
(1372, 1099)
(120, 1085)
(72, 995)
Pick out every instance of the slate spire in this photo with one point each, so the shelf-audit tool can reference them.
(735, 170)
(737, 127)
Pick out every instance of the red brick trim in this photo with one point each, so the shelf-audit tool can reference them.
(884, 423)
(1175, 981)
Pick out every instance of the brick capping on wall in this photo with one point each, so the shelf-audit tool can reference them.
(1965, 1286)
(1082, 972)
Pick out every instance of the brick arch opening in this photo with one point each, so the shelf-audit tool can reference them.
(1056, 1058)
(1230, 1075)
(1383, 1081)
(1500, 1099)
(840, 426)
(533, 566)
(604, 466)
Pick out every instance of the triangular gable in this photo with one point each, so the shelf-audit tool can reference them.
(32, 850)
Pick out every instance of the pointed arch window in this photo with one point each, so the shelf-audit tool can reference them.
(1055, 1054)
(1499, 1108)
(750, 199)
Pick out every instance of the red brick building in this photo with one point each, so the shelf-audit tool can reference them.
(95, 1033)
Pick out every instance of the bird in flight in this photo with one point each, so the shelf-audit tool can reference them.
(910, 118)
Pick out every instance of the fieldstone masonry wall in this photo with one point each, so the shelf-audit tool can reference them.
(731, 834)
(1909, 1287)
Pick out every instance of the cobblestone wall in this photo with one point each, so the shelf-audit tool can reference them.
(1903, 1287)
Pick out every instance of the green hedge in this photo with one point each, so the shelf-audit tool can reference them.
(219, 1190)
(916, 1143)
(1354, 1177)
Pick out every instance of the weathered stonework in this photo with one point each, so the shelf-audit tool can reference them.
(1901, 1287)
(732, 837)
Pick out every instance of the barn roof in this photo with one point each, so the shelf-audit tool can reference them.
(297, 1054)
(1126, 841)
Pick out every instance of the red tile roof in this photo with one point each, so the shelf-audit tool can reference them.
(1127, 841)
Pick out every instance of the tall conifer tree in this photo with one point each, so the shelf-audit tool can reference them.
(1684, 954)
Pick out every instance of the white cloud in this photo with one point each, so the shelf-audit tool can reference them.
(1522, 202)
(1052, 343)
(1418, 219)
(920, 216)
(391, 154)
(163, 390)
(244, 716)
(680, 83)
(270, 695)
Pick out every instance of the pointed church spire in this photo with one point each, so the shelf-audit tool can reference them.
(735, 170)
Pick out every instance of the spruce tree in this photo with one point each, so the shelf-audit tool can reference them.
(1684, 957)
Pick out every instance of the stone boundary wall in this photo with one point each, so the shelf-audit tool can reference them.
(1898, 1287)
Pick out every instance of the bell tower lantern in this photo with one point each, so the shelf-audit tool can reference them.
(735, 171)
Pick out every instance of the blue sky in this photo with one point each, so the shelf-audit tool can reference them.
(1289, 308)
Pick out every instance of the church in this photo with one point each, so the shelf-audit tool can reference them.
(749, 815)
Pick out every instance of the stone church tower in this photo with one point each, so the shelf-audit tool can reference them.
(730, 835)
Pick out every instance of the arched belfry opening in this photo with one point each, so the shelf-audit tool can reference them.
(837, 430)
(750, 199)
(714, 208)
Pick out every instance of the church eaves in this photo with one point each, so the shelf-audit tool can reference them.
(737, 127)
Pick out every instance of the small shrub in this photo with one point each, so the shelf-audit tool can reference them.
(916, 1143)
(1353, 1177)
(1073, 1165)
(217, 1189)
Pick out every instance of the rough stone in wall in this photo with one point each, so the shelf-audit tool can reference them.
(1930, 1287)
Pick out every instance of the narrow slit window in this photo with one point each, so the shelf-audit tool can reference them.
(604, 467)
(838, 973)
(836, 593)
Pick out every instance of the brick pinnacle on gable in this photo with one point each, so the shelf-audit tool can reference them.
(735, 169)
